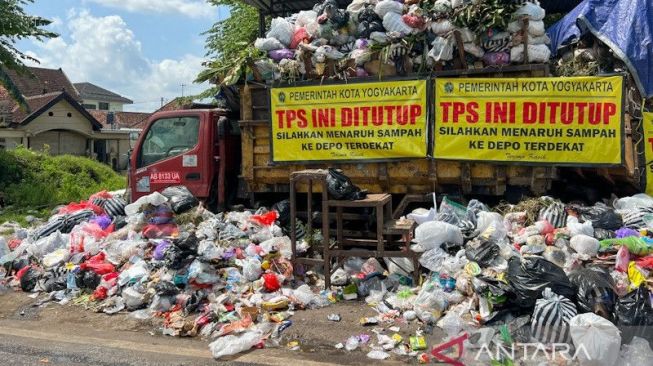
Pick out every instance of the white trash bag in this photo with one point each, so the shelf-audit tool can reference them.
(231, 344)
(596, 339)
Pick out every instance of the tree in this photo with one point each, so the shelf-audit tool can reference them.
(15, 26)
(228, 43)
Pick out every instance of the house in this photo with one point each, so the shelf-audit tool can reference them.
(55, 120)
(97, 98)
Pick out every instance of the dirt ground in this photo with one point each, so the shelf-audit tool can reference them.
(315, 333)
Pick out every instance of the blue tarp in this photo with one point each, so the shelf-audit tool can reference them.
(626, 26)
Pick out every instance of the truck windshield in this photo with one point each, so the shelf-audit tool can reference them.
(168, 137)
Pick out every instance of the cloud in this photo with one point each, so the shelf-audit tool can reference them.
(190, 8)
(104, 51)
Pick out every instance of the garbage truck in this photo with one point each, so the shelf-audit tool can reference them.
(514, 131)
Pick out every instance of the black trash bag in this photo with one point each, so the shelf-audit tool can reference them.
(482, 251)
(634, 316)
(283, 209)
(369, 22)
(529, 276)
(29, 279)
(340, 186)
(601, 216)
(187, 242)
(55, 283)
(176, 258)
(595, 291)
(497, 292)
(87, 280)
(180, 198)
(451, 248)
(601, 234)
(166, 288)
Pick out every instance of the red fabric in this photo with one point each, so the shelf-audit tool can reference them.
(14, 243)
(22, 271)
(82, 205)
(646, 262)
(98, 268)
(300, 35)
(266, 219)
(271, 282)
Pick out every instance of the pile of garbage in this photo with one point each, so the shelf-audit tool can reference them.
(539, 271)
(388, 37)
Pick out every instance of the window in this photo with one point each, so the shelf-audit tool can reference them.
(168, 137)
(89, 106)
(103, 106)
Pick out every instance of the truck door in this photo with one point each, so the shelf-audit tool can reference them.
(175, 149)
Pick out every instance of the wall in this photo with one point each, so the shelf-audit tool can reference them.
(113, 106)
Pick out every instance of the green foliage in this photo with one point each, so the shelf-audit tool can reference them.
(228, 43)
(480, 16)
(30, 179)
(17, 25)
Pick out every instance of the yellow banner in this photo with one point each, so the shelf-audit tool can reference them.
(647, 130)
(377, 120)
(575, 120)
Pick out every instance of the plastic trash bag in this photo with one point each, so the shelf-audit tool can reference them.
(282, 30)
(231, 344)
(433, 234)
(637, 353)
(634, 315)
(388, 6)
(393, 22)
(133, 298)
(28, 277)
(601, 216)
(482, 251)
(441, 27)
(134, 273)
(340, 187)
(585, 245)
(48, 244)
(576, 228)
(433, 259)
(531, 10)
(536, 53)
(490, 226)
(636, 246)
(252, 269)
(442, 49)
(599, 339)
(154, 199)
(550, 320)
(529, 276)
(268, 44)
(180, 198)
(596, 291)
(640, 200)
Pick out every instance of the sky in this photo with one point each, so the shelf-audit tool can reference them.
(141, 49)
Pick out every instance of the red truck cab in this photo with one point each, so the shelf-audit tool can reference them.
(197, 148)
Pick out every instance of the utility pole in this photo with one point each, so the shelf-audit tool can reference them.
(161, 101)
(182, 90)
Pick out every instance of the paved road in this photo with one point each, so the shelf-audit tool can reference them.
(70, 335)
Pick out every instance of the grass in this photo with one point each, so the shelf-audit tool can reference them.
(33, 183)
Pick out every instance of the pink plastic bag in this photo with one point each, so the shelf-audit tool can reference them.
(623, 257)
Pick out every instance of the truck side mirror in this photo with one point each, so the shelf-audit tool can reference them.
(223, 126)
